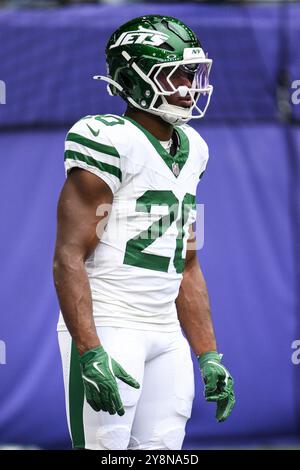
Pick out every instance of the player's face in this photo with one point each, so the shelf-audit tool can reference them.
(179, 78)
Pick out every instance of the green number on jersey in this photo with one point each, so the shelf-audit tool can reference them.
(110, 120)
(134, 255)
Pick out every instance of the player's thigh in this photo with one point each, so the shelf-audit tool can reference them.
(100, 430)
(166, 401)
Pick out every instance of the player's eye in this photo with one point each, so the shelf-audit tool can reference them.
(189, 68)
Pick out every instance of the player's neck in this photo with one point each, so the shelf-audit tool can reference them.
(154, 124)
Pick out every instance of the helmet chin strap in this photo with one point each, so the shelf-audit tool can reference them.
(175, 114)
(182, 114)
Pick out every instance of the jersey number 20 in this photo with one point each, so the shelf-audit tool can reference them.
(134, 254)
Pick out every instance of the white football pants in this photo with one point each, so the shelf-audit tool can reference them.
(156, 414)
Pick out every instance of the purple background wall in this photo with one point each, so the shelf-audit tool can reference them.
(250, 191)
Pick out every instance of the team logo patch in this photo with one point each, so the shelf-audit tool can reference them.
(142, 36)
(175, 169)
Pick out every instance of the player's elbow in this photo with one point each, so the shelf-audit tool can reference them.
(65, 262)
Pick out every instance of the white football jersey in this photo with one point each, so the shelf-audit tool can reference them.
(136, 269)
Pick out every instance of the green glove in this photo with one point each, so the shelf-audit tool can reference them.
(99, 372)
(218, 383)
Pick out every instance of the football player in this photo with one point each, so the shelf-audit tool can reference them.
(125, 267)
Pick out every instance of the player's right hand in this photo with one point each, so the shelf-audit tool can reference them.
(99, 372)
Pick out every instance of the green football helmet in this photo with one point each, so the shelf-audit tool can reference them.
(143, 58)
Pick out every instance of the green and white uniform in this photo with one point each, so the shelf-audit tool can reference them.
(135, 274)
(136, 269)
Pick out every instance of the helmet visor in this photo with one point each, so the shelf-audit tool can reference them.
(193, 75)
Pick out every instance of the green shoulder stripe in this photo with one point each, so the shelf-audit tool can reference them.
(113, 170)
(79, 139)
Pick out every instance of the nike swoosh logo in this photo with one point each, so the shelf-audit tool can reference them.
(95, 133)
(96, 365)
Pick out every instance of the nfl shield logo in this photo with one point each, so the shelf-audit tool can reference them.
(175, 169)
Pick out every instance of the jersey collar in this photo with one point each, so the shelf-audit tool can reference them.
(176, 162)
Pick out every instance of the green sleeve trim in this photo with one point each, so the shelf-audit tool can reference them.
(106, 167)
(79, 139)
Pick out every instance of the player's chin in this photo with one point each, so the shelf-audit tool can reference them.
(182, 103)
(186, 104)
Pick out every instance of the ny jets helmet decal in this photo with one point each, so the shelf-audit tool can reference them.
(145, 55)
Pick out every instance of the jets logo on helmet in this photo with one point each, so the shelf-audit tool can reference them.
(144, 55)
(143, 36)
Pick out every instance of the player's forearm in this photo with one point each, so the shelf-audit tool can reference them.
(74, 295)
(194, 311)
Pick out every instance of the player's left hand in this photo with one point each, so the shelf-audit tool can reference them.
(218, 384)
